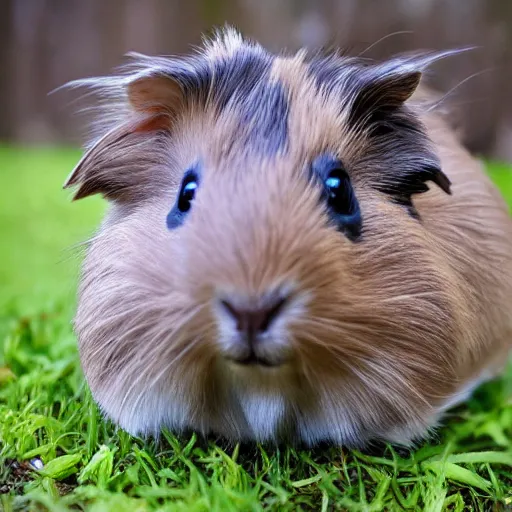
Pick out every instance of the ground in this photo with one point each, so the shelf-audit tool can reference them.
(48, 421)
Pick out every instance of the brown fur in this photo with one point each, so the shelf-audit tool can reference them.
(380, 333)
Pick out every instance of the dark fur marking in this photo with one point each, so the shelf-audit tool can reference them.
(329, 71)
(241, 84)
(398, 152)
(267, 110)
(236, 77)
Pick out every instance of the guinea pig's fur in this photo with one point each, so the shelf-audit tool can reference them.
(381, 327)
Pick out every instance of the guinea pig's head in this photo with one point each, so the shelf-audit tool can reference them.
(263, 269)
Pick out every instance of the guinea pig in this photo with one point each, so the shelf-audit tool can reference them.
(297, 248)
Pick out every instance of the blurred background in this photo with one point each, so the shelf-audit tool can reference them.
(45, 43)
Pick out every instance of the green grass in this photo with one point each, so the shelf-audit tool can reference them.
(46, 412)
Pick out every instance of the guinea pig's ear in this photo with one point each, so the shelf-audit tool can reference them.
(383, 88)
(116, 164)
(383, 92)
(155, 94)
(378, 107)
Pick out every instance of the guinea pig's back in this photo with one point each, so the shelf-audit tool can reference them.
(471, 230)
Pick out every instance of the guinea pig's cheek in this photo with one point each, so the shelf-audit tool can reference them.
(180, 262)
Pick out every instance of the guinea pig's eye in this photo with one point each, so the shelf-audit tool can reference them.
(187, 193)
(340, 192)
(339, 195)
(185, 198)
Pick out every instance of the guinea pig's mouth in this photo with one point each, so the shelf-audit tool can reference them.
(253, 360)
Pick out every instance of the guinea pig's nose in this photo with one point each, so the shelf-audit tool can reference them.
(255, 320)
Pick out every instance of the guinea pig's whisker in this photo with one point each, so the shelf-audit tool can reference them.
(435, 105)
(71, 253)
(379, 371)
(177, 336)
(130, 312)
(166, 369)
(355, 329)
(135, 368)
(409, 297)
(191, 344)
(160, 329)
(117, 341)
(337, 327)
(125, 313)
(375, 372)
(383, 38)
(73, 249)
(137, 316)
